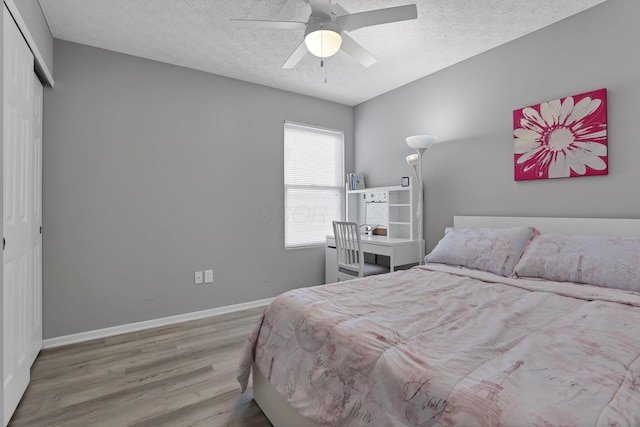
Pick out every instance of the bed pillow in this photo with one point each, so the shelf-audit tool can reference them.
(612, 262)
(496, 250)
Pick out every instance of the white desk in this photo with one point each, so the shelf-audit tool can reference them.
(399, 250)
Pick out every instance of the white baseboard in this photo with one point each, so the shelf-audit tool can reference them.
(147, 324)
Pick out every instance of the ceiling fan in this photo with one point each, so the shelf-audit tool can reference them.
(326, 31)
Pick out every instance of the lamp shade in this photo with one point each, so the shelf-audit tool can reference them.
(412, 159)
(421, 142)
(323, 39)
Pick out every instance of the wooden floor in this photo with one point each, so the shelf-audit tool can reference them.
(178, 375)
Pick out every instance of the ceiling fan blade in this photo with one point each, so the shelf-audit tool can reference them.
(338, 10)
(281, 25)
(376, 17)
(359, 53)
(296, 56)
(320, 8)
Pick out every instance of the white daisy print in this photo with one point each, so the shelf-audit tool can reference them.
(562, 138)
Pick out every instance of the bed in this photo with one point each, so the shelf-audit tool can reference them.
(513, 321)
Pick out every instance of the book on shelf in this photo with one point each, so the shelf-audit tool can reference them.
(355, 181)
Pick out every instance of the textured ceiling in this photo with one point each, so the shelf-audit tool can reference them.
(198, 34)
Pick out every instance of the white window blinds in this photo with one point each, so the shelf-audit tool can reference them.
(313, 183)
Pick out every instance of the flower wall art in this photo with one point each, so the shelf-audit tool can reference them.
(562, 138)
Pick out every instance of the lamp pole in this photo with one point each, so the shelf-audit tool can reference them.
(420, 143)
(420, 206)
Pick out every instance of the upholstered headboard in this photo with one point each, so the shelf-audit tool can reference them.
(571, 226)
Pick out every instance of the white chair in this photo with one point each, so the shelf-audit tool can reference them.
(350, 256)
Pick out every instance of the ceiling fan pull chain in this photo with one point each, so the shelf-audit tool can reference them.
(325, 74)
(322, 43)
(322, 51)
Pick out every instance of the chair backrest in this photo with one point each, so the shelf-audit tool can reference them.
(348, 248)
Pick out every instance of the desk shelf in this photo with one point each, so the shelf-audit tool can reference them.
(394, 209)
(378, 189)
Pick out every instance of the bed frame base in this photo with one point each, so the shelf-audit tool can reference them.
(274, 406)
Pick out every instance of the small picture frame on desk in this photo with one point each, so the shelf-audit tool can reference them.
(405, 181)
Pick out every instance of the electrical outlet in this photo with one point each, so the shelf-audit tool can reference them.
(198, 278)
(208, 276)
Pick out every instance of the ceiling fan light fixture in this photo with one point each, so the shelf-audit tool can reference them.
(323, 39)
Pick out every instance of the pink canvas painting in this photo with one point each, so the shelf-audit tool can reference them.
(562, 138)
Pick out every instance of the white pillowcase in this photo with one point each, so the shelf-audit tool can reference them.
(612, 262)
(496, 250)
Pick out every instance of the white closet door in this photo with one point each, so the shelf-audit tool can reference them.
(17, 176)
(35, 293)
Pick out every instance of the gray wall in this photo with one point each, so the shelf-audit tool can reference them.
(153, 171)
(469, 106)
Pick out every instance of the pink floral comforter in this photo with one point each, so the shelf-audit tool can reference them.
(442, 346)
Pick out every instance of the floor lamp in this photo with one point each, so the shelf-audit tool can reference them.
(420, 143)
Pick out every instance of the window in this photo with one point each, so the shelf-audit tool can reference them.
(313, 183)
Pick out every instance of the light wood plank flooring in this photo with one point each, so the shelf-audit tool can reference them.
(177, 375)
